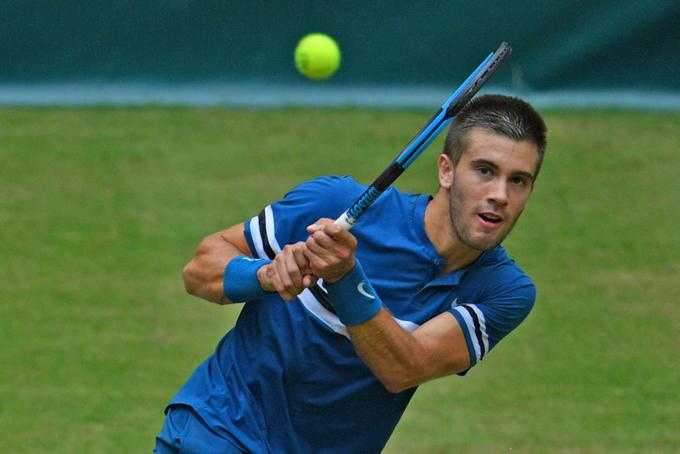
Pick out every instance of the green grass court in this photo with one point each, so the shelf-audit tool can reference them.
(100, 208)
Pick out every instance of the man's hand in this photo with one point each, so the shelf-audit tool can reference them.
(330, 250)
(328, 253)
(289, 274)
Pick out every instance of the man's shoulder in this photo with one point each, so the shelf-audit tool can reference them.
(340, 183)
(344, 184)
(329, 195)
(335, 191)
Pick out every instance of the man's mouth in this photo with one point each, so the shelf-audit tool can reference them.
(490, 218)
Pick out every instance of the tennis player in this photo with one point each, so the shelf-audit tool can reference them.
(339, 328)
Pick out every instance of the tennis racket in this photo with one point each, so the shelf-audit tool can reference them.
(419, 143)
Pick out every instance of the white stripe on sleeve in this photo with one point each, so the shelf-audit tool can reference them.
(269, 218)
(257, 238)
(470, 326)
(482, 326)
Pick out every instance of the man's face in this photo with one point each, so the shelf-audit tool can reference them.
(490, 187)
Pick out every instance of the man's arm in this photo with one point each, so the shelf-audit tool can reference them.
(204, 274)
(402, 360)
(399, 359)
(288, 274)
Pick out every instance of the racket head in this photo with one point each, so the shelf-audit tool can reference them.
(482, 75)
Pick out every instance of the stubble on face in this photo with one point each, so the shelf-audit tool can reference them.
(462, 230)
(494, 177)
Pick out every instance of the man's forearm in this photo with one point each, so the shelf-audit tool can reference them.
(402, 359)
(394, 355)
(204, 274)
(399, 359)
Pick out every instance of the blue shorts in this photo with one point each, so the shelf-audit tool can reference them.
(184, 431)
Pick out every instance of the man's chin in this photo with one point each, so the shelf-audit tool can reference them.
(479, 239)
(484, 243)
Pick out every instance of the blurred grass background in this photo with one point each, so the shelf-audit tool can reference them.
(100, 208)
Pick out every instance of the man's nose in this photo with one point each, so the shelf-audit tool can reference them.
(498, 193)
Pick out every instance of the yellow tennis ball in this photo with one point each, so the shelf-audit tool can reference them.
(317, 56)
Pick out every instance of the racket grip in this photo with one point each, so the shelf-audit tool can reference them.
(344, 221)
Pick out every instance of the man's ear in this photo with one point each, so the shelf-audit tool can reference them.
(445, 167)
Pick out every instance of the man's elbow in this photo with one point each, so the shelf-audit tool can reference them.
(397, 386)
(406, 377)
(418, 371)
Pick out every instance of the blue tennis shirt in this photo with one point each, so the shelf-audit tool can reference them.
(287, 379)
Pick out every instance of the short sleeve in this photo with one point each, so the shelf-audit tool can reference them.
(285, 221)
(486, 322)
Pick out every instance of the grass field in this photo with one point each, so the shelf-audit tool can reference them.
(100, 208)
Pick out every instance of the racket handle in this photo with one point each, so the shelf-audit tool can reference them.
(344, 221)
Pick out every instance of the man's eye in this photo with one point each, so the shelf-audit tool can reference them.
(518, 181)
(484, 171)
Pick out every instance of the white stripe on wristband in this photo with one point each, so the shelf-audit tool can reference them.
(353, 297)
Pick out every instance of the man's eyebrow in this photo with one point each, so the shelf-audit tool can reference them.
(485, 162)
(479, 162)
(521, 173)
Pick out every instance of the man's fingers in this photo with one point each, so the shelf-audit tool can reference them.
(288, 280)
(334, 232)
(331, 251)
(300, 258)
(309, 280)
(320, 241)
(340, 235)
(293, 271)
(316, 262)
(282, 282)
(264, 275)
(292, 267)
(278, 285)
(324, 251)
(319, 225)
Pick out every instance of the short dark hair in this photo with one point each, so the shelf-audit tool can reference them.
(505, 115)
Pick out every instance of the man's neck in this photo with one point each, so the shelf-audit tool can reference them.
(440, 232)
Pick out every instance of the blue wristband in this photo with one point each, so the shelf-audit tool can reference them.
(240, 279)
(353, 297)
